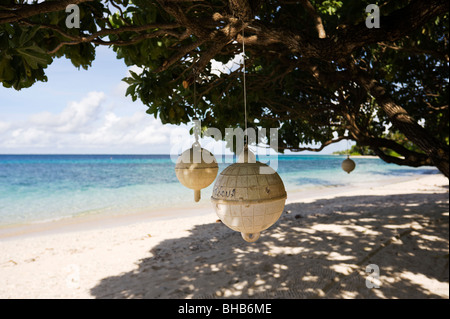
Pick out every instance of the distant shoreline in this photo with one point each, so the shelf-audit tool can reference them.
(358, 156)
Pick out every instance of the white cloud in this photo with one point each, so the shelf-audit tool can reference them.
(139, 129)
(87, 126)
(74, 118)
(4, 127)
(29, 136)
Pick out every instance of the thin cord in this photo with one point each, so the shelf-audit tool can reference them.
(348, 148)
(196, 118)
(195, 92)
(245, 88)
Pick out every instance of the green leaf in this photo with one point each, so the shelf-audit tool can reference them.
(34, 56)
(131, 90)
(6, 71)
(27, 35)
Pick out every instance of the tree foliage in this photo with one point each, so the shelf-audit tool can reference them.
(314, 70)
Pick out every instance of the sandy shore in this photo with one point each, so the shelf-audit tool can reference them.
(320, 248)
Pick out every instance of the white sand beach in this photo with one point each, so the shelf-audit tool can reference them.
(320, 248)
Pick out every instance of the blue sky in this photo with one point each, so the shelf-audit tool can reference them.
(86, 112)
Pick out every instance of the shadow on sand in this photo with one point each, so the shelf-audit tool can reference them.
(315, 250)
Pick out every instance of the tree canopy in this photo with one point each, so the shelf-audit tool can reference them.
(313, 67)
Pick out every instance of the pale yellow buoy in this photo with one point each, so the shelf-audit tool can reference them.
(196, 169)
(348, 165)
(249, 196)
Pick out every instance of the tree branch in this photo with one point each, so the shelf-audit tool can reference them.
(241, 9)
(440, 55)
(340, 44)
(164, 29)
(17, 13)
(316, 18)
(413, 162)
(436, 150)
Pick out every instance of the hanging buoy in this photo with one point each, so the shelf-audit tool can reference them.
(249, 196)
(348, 165)
(196, 169)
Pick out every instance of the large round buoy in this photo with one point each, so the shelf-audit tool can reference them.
(348, 165)
(196, 169)
(249, 196)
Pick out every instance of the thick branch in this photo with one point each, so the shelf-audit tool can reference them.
(29, 10)
(437, 151)
(340, 44)
(410, 158)
(401, 161)
(192, 25)
(363, 136)
(241, 9)
(316, 18)
(437, 54)
(162, 29)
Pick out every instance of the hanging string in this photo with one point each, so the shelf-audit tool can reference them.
(348, 148)
(245, 89)
(196, 117)
(195, 93)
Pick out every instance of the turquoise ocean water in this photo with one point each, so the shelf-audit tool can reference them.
(37, 188)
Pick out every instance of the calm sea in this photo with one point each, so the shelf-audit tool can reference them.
(36, 188)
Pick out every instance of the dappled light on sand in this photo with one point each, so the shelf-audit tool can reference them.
(305, 256)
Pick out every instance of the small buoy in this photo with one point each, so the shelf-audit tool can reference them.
(348, 165)
(249, 196)
(196, 169)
